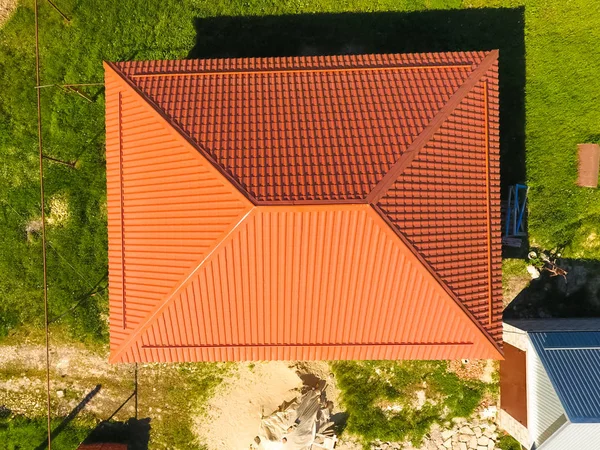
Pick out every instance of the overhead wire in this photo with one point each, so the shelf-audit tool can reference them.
(41, 173)
(95, 289)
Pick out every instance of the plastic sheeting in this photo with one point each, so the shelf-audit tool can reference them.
(295, 426)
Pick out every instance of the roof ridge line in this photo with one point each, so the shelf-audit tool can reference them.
(301, 70)
(434, 125)
(435, 275)
(155, 313)
(186, 136)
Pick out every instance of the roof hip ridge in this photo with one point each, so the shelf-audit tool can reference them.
(229, 177)
(429, 131)
(425, 263)
(151, 318)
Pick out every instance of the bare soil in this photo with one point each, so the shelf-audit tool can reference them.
(475, 369)
(514, 286)
(74, 372)
(229, 419)
(254, 390)
(6, 8)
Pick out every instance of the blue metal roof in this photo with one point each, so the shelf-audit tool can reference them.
(572, 361)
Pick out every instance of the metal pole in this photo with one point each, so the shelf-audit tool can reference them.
(136, 389)
(41, 160)
(59, 11)
(78, 92)
(58, 161)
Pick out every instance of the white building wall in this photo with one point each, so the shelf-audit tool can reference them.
(515, 336)
(574, 436)
(543, 405)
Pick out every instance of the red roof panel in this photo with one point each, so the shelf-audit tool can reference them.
(447, 204)
(167, 207)
(307, 128)
(310, 283)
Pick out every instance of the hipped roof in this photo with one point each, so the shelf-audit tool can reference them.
(341, 207)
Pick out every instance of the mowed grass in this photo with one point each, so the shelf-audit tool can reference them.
(563, 109)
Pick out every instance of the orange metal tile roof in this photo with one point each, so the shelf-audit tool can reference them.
(304, 208)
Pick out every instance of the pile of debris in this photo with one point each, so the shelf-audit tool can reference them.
(301, 424)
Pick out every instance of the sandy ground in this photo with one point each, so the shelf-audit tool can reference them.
(6, 7)
(234, 412)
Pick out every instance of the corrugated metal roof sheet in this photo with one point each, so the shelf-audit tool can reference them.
(572, 361)
(310, 283)
(167, 208)
(546, 412)
(552, 324)
(189, 166)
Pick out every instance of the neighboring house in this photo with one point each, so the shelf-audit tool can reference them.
(550, 383)
(338, 207)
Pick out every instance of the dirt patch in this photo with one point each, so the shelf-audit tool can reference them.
(475, 369)
(515, 278)
(74, 374)
(85, 384)
(232, 417)
(6, 8)
(513, 286)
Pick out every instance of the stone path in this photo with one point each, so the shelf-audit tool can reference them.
(471, 435)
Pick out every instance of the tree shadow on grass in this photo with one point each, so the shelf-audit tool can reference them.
(353, 33)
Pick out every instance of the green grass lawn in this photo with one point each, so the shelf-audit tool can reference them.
(18, 432)
(380, 398)
(550, 101)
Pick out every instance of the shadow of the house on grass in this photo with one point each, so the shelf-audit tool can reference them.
(135, 433)
(576, 296)
(427, 31)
